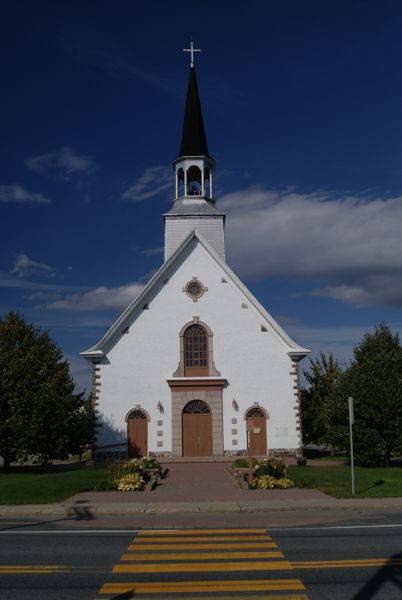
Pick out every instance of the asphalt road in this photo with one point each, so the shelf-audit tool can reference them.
(351, 556)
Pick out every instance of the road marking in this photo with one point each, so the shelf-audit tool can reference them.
(282, 565)
(335, 527)
(60, 532)
(202, 556)
(185, 532)
(30, 569)
(204, 546)
(220, 597)
(248, 597)
(200, 538)
(215, 551)
(347, 564)
(263, 585)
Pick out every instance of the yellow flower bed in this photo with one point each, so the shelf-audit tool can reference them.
(266, 482)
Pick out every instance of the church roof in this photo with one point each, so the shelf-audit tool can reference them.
(137, 305)
(194, 206)
(194, 140)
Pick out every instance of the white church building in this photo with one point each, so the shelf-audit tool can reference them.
(195, 366)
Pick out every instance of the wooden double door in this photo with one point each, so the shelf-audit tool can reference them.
(197, 429)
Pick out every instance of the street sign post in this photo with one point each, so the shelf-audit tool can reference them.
(351, 422)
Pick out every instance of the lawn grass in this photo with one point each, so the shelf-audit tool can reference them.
(380, 482)
(42, 488)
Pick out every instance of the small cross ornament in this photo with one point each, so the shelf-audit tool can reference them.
(192, 50)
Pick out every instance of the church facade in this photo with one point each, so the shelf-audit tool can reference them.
(195, 366)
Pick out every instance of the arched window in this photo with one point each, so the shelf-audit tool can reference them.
(137, 414)
(196, 407)
(196, 351)
(255, 412)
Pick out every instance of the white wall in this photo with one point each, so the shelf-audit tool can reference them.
(255, 363)
(178, 228)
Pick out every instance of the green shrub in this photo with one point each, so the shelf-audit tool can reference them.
(369, 449)
(150, 463)
(105, 485)
(273, 467)
(242, 463)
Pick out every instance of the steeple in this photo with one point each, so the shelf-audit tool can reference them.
(194, 206)
(193, 140)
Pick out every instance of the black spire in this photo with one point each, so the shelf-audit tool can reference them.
(193, 141)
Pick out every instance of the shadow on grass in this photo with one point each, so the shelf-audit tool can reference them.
(378, 483)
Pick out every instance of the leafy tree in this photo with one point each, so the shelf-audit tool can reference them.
(319, 402)
(40, 414)
(374, 380)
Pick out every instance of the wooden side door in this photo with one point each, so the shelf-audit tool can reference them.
(137, 435)
(257, 426)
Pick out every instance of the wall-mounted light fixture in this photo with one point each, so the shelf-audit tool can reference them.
(235, 405)
(159, 406)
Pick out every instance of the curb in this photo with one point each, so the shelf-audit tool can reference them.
(85, 509)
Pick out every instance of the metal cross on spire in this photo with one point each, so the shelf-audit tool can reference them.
(192, 50)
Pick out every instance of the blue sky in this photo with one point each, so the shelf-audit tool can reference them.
(302, 104)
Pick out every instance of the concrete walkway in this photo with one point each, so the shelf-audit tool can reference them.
(197, 488)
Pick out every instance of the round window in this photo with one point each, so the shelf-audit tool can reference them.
(195, 289)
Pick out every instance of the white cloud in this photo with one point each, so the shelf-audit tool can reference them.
(64, 160)
(17, 194)
(352, 243)
(25, 267)
(101, 298)
(152, 182)
(153, 251)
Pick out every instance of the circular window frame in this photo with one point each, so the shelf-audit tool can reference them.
(195, 289)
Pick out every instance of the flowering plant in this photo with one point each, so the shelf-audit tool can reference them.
(267, 482)
(130, 483)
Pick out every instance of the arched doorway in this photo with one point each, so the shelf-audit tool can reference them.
(256, 423)
(137, 434)
(197, 429)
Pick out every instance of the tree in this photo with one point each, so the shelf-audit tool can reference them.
(319, 402)
(374, 380)
(40, 414)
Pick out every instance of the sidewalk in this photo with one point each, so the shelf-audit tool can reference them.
(197, 488)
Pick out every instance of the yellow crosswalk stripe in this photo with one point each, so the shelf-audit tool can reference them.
(203, 546)
(264, 585)
(344, 564)
(218, 538)
(282, 565)
(202, 555)
(249, 597)
(179, 532)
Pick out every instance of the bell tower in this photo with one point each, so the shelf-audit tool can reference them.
(194, 206)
